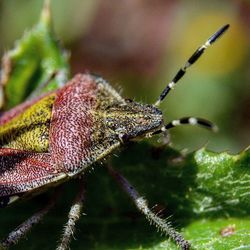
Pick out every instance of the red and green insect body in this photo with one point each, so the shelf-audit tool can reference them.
(57, 136)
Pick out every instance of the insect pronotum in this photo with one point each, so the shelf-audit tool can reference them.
(59, 135)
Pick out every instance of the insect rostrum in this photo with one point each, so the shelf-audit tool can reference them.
(57, 136)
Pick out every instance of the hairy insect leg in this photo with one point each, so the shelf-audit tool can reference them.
(20, 231)
(141, 204)
(73, 217)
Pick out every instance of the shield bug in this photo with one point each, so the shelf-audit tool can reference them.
(59, 135)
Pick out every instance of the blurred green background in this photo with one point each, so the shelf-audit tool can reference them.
(139, 45)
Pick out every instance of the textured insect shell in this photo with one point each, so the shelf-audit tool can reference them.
(78, 133)
(26, 127)
(46, 141)
(25, 163)
(88, 118)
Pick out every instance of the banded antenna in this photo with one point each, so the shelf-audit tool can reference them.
(196, 55)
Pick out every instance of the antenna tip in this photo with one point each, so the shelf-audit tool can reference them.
(218, 34)
(225, 27)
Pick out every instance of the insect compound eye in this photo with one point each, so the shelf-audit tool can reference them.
(128, 100)
(4, 201)
(124, 138)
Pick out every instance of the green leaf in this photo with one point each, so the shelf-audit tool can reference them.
(37, 64)
(203, 192)
(204, 182)
(208, 234)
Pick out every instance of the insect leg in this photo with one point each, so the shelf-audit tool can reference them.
(25, 227)
(141, 204)
(188, 121)
(73, 217)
